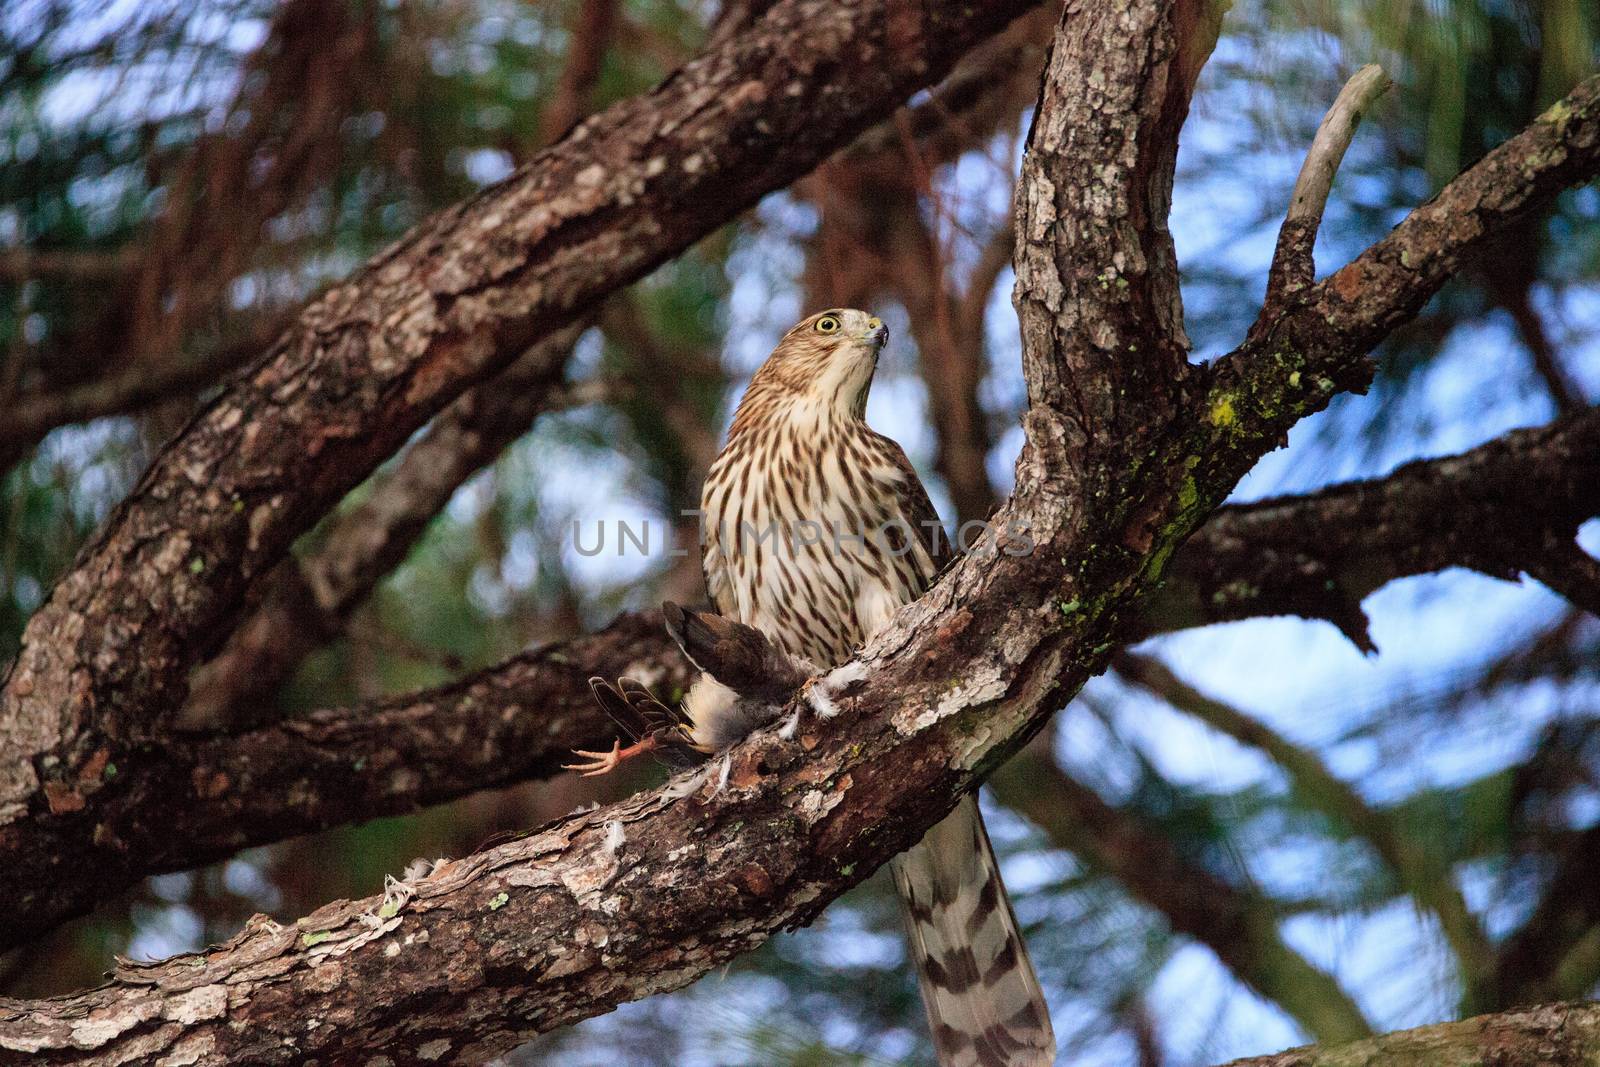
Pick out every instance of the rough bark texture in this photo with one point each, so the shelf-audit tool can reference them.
(348, 764)
(192, 800)
(103, 662)
(1127, 449)
(1490, 509)
(1553, 1035)
(308, 600)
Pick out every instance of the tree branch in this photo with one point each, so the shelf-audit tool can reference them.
(1553, 1035)
(194, 800)
(1296, 356)
(309, 600)
(1238, 924)
(587, 41)
(29, 417)
(1319, 556)
(1271, 557)
(1123, 458)
(105, 659)
(1292, 266)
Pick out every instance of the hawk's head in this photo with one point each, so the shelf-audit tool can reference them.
(827, 359)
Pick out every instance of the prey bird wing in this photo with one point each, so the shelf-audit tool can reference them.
(738, 656)
(652, 726)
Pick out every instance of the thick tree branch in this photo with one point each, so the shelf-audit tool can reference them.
(1271, 557)
(308, 600)
(456, 300)
(1312, 555)
(1122, 461)
(1319, 556)
(194, 800)
(1552, 1035)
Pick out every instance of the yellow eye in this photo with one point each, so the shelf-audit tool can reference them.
(827, 324)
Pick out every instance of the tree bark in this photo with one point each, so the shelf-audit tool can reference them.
(308, 601)
(1318, 556)
(1128, 448)
(1552, 1035)
(194, 800)
(103, 662)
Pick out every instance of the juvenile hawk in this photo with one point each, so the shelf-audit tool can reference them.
(816, 531)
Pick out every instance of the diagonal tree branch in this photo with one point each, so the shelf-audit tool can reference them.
(1315, 555)
(1424, 875)
(309, 600)
(647, 895)
(104, 661)
(306, 606)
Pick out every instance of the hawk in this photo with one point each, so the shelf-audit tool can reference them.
(816, 530)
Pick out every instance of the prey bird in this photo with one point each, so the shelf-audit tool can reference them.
(816, 531)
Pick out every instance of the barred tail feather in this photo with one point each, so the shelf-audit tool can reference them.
(984, 1003)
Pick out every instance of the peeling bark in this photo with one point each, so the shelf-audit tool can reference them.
(1128, 448)
(103, 663)
(1316, 556)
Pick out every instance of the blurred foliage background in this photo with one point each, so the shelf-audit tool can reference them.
(176, 178)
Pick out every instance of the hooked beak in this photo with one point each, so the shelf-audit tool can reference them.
(877, 333)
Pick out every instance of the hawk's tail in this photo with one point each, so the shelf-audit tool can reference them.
(984, 1003)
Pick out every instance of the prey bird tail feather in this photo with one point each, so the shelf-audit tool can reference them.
(643, 718)
(984, 1003)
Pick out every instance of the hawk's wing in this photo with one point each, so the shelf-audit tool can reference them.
(713, 560)
(919, 510)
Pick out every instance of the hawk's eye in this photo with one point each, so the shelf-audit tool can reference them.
(827, 324)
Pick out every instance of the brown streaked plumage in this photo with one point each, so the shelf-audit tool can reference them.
(816, 531)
